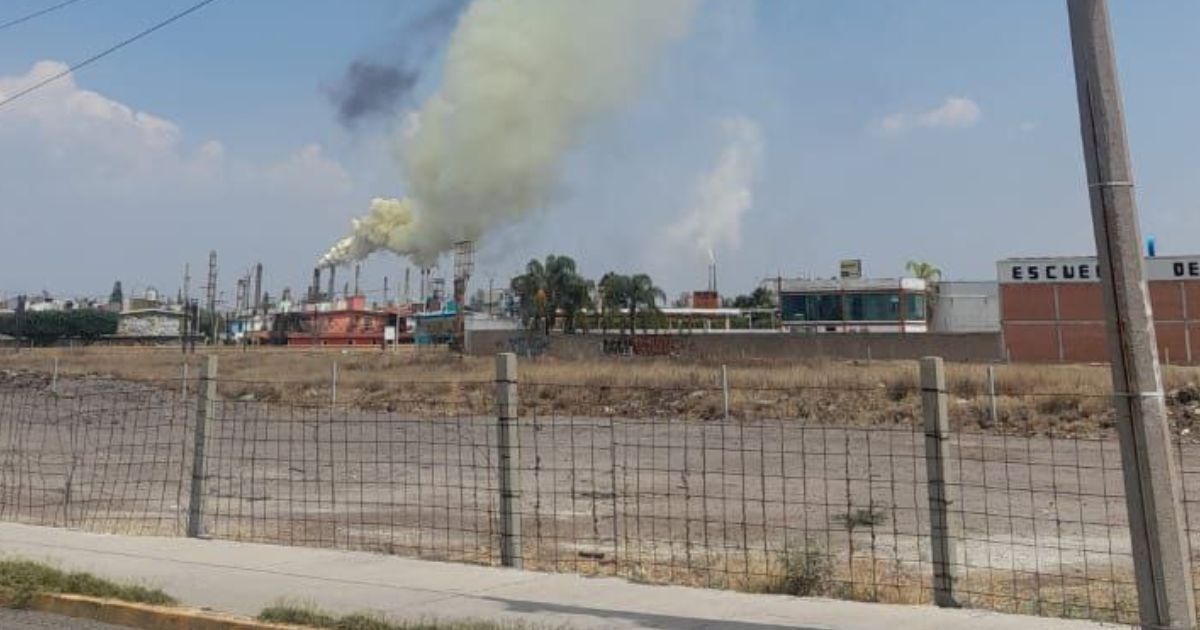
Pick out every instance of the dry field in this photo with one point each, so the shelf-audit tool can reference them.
(815, 486)
(1066, 400)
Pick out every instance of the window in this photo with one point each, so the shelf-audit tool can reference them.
(812, 307)
(873, 307)
(914, 307)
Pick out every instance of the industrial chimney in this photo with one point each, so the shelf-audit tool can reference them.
(314, 291)
(332, 283)
(258, 294)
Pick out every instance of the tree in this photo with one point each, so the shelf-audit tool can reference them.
(759, 298)
(642, 293)
(924, 270)
(614, 292)
(117, 297)
(931, 275)
(545, 290)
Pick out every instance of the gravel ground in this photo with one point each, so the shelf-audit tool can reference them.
(657, 498)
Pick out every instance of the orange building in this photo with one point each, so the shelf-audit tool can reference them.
(342, 323)
(1052, 309)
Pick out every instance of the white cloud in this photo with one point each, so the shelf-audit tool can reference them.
(84, 168)
(954, 112)
(1028, 126)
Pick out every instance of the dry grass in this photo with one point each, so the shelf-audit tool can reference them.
(1048, 399)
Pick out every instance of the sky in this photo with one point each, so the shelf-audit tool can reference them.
(944, 131)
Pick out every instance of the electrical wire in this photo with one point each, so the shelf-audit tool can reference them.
(35, 14)
(106, 52)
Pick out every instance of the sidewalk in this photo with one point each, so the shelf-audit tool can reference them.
(243, 578)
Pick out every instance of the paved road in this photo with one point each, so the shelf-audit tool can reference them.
(241, 578)
(26, 620)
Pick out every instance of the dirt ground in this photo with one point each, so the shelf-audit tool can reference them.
(1036, 520)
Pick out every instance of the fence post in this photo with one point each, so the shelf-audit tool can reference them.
(725, 389)
(206, 398)
(509, 458)
(937, 429)
(54, 378)
(333, 389)
(991, 377)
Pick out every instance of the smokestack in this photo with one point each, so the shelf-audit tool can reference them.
(258, 295)
(407, 293)
(332, 283)
(314, 291)
(357, 272)
(385, 290)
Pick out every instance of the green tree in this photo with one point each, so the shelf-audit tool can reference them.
(759, 298)
(614, 292)
(924, 270)
(931, 275)
(642, 294)
(550, 288)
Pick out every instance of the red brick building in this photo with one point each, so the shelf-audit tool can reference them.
(1052, 309)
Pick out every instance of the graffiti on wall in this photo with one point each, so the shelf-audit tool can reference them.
(647, 345)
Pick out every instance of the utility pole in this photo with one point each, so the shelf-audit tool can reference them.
(1160, 552)
(186, 329)
(212, 297)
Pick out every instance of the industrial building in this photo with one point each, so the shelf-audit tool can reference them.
(852, 305)
(1052, 309)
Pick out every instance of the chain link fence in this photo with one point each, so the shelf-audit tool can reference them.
(821, 491)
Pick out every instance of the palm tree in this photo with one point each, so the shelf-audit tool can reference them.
(531, 288)
(924, 270)
(550, 288)
(931, 275)
(614, 294)
(642, 292)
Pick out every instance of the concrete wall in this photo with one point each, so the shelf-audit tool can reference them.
(966, 307)
(744, 345)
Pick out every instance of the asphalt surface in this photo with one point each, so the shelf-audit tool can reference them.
(26, 620)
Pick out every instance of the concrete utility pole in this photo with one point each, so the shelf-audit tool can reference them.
(1160, 557)
(212, 297)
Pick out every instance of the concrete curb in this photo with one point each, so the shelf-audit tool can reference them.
(143, 616)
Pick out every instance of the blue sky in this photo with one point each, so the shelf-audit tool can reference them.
(861, 156)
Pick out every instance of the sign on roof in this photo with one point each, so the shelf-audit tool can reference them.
(1086, 269)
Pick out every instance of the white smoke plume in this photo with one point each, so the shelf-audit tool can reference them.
(725, 193)
(522, 80)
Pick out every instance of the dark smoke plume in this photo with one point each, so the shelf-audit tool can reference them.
(371, 87)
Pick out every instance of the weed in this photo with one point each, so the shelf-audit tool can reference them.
(23, 579)
(309, 616)
(803, 572)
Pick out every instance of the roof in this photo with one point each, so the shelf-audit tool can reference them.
(802, 285)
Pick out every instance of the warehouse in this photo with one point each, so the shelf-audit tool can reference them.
(1052, 309)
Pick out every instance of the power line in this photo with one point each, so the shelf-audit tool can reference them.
(106, 52)
(35, 14)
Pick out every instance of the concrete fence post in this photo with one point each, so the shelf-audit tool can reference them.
(509, 459)
(206, 399)
(993, 413)
(937, 429)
